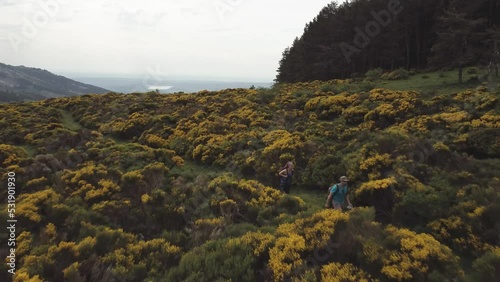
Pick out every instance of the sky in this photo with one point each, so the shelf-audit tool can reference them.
(240, 40)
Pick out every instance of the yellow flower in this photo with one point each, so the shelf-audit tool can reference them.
(285, 255)
(376, 184)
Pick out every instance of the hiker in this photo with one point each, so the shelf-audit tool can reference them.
(286, 174)
(338, 194)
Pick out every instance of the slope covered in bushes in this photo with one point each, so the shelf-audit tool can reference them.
(181, 187)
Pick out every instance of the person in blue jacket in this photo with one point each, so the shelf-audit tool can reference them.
(339, 193)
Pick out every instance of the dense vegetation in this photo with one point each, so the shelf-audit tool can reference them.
(181, 187)
(346, 40)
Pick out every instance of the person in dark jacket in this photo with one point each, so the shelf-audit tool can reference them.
(286, 177)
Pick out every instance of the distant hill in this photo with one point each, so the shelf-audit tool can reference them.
(20, 83)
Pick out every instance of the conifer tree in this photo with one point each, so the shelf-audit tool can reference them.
(460, 41)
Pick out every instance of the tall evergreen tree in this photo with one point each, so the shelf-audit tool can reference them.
(460, 41)
(291, 65)
(359, 35)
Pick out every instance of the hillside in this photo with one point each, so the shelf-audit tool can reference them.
(182, 187)
(20, 83)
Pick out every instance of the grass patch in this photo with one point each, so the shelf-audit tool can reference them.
(117, 140)
(315, 200)
(30, 150)
(439, 82)
(190, 170)
(69, 122)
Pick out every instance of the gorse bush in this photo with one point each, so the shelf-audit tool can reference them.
(396, 75)
(183, 187)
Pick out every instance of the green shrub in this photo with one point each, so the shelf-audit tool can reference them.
(487, 266)
(345, 88)
(396, 75)
(328, 88)
(290, 204)
(264, 95)
(483, 143)
(215, 260)
(237, 230)
(304, 93)
(472, 71)
(374, 74)
(365, 86)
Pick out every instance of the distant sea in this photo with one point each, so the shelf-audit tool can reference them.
(131, 85)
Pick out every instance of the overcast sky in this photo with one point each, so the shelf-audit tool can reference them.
(231, 39)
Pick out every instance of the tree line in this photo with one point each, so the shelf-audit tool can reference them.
(346, 40)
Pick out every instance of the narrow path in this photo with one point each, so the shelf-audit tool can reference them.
(314, 200)
(69, 122)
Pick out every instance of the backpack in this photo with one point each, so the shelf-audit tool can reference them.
(337, 190)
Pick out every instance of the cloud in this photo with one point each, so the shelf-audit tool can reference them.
(140, 18)
(8, 2)
(184, 37)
